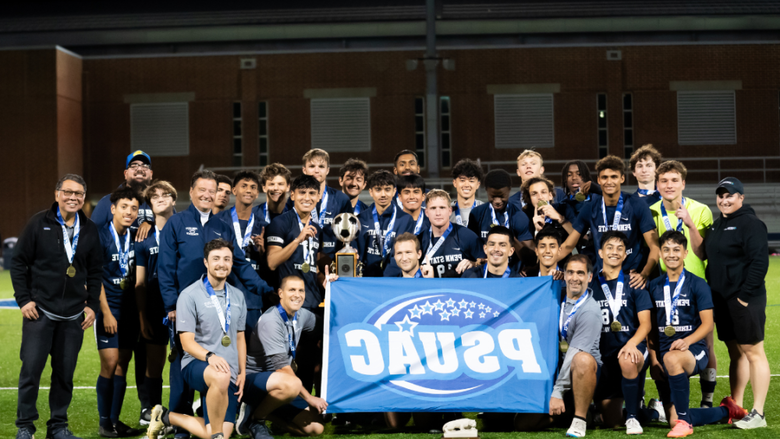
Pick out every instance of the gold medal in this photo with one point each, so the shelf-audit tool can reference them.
(123, 283)
(294, 365)
(616, 326)
(580, 197)
(71, 271)
(226, 341)
(305, 267)
(669, 331)
(564, 345)
(541, 203)
(493, 225)
(382, 264)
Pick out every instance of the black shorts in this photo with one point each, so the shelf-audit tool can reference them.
(744, 324)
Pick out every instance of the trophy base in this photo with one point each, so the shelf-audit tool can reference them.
(346, 264)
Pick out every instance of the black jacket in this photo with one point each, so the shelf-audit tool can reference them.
(738, 255)
(39, 266)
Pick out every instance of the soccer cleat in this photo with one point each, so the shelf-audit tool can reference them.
(658, 406)
(24, 433)
(681, 429)
(156, 424)
(578, 428)
(123, 430)
(244, 418)
(259, 430)
(633, 426)
(145, 417)
(750, 421)
(62, 434)
(735, 412)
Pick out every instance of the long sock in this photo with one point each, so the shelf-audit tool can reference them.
(707, 416)
(105, 396)
(631, 396)
(154, 387)
(120, 386)
(680, 392)
(708, 382)
(647, 415)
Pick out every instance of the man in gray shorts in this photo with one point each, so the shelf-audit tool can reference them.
(210, 320)
(273, 391)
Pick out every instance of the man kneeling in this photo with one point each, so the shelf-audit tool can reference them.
(273, 391)
(209, 314)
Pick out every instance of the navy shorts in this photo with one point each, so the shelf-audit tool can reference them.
(193, 375)
(255, 391)
(611, 386)
(699, 351)
(126, 335)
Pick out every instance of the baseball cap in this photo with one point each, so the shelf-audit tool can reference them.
(732, 185)
(138, 155)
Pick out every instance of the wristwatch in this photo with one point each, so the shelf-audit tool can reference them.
(209, 355)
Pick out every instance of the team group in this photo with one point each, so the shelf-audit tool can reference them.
(237, 291)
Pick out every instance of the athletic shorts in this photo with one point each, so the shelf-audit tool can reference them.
(155, 312)
(699, 351)
(126, 335)
(255, 391)
(744, 324)
(193, 375)
(610, 384)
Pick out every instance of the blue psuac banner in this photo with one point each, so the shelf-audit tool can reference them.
(440, 345)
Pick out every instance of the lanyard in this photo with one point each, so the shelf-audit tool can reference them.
(242, 243)
(667, 222)
(418, 274)
(564, 326)
(432, 250)
(670, 303)
(356, 210)
(124, 262)
(288, 324)
(307, 249)
(224, 317)
(70, 249)
(495, 221)
(419, 223)
(647, 192)
(458, 218)
(503, 276)
(157, 235)
(617, 302)
(618, 213)
(320, 218)
(384, 238)
(265, 213)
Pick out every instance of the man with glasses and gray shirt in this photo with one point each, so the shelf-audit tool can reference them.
(56, 273)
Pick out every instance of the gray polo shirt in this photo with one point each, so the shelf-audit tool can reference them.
(195, 312)
(271, 338)
(583, 335)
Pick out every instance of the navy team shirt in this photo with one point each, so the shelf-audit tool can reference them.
(369, 250)
(282, 231)
(359, 207)
(634, 302)
(649, 199)
(338, 203)
(461, 244)
(479, 272)
(635, 220)
(117, 298)
(695, 297)
(425, 224)
(146, 253)
(480, 220)
(251, 253)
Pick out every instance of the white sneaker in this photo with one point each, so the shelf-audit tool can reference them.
(578, 428)
(633, 426)
(658, 406)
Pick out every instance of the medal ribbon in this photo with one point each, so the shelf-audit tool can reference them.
(564, 326)
(616, 303)
(419, 224)
(242, 243)
(265, 213)
(320, 218)
(647, 192)
(418, 274)
(432, 250)
(288, 324)
(157, 235)
(124, 262)
(503, 276)
(356, 210)
(667, 222)
(670, 303)
(307, 250)
(224, 317)
(618, 213)
(458, 218)
(70, 249)
(384, 238)
(495, 221)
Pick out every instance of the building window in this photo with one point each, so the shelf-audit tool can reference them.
(160, 129)
(706, 118)
(523, 121)
(601, 123)
(445, 122)
(419, 129)
(238, 143)
(341, 124)
(628, 124)
(262, 128)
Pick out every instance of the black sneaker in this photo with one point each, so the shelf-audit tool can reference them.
(123, 430)
(24, 433)
(259, 430)
(145, 417)
(62, 434)
(108, 431)
(244, 418)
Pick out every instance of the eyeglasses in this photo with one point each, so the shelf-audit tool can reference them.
(143, 166)
(77, 194)
(157, 197)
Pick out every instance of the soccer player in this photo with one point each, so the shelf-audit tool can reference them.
(530, 165)
(625, 318)
(467, 175)
(352, 179)
(498, 248)
(547, 242)
(407, 256)
(117, 325)
(575, 175)
(224, 189)
(55, 271)
(682, 317)
(643, 163)
(211, 316)
(693, 219)
(411, 190)
(540, 206)
(273, 391)
(498, 211)
(161, 195)
(405, 162)
(275, 180)
(580, 325)
(616, 210)
(450, 249)
(379, 225)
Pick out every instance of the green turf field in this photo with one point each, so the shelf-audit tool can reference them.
(84, 418)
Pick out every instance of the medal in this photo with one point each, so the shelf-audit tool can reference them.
(670, 304)
(383, 239)
(614, 302)
(669, 331)
(580, 197)
(564, 346)
(224, 316)
(226, 341)
(493, 225)
(71, 271)
(540, 204)
(616, 326)
(70, 248)
(382, 264)
(308, 246)
(305, 267)
(123, 284)
(294, 365)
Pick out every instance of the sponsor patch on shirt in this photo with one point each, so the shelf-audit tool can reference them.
(192, 231)
(730, 228)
